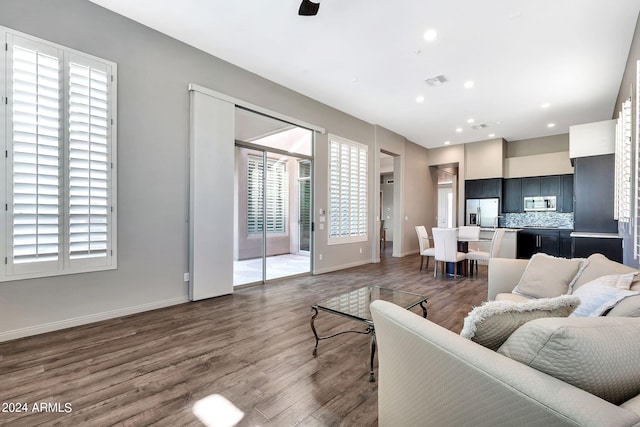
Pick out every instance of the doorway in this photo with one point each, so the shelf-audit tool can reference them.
(447, 182)
(273, 199)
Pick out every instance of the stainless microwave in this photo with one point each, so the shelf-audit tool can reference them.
(540, 203)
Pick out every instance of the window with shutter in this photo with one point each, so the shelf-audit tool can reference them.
(277, 195)
(347, 191)
(88, 161)
(60, 145)
(34, 154)
(622, 194)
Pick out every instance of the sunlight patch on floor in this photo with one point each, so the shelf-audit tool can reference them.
(216, 411)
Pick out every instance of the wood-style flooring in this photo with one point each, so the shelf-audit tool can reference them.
(253, 347)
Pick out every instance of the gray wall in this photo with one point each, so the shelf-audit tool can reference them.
(153, 74)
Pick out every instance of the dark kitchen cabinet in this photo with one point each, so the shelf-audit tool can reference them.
(512, 195)
(583, 247)
(550, 185)
(594, 194)
(531, 186)
(566, 244)
(565, 203)
(473, 189)
(533, 240)
(534, 186)
(483, 188)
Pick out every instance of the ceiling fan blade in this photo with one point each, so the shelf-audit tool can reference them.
(308, 8)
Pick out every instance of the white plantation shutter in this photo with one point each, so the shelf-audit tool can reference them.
(254, 195)
(35, 155)
(347, 191)
(277, 195)
(59, 142)
(89, 161)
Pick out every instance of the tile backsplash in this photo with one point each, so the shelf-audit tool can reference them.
(538, 219)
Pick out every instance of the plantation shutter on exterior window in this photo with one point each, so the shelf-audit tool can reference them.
(88, 161)
(36, 134)
(277, 195)
(59, 171)
(347, 191)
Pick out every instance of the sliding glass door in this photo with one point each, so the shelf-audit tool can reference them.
(272, 199)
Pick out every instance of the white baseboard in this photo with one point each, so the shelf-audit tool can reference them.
(341, 267)
(83, 320)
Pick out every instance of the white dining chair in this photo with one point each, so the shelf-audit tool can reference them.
(469, 232)
(426, 250)
(445, 241)
(474, 256)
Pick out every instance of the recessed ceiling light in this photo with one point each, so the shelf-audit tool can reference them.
(447, 142)
(468, 84)
(430, 35)
(550, 125)
(492, 135)
(545, 105)
(419, 99)
(470, 120)
(458, 130)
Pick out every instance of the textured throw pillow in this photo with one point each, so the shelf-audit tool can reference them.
(598, 266)
(491, 324)
(599, 295)
(599, 355)
(548, 277)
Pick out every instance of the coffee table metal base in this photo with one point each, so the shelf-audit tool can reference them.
(369, 331)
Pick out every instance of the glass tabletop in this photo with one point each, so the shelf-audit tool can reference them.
(355, 303)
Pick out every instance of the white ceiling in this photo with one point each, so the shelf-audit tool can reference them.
(368, 58)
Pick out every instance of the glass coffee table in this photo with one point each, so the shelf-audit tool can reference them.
(355, 305)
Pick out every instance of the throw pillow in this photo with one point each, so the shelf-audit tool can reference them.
(547, 276)
(491, 324)
(599, 295)
(599, 355)
(628, 307)
(598, 266)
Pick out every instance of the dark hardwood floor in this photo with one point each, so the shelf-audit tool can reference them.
(252, 347)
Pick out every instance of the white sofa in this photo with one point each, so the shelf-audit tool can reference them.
(429, 375)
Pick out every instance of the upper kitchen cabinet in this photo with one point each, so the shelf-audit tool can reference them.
(550, 186)
(483, 188)
(566, 202)
(531, 186)
(512, 195)
(515, 189)
(541, 186)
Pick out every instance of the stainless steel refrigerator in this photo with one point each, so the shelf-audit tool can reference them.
(482, 212)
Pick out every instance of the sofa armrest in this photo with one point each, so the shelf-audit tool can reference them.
(504, 275)
(430, 375)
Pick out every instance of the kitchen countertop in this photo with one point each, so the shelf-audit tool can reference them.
(507, 230)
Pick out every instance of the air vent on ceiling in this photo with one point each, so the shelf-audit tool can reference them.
(436, 81)
(479, 126)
